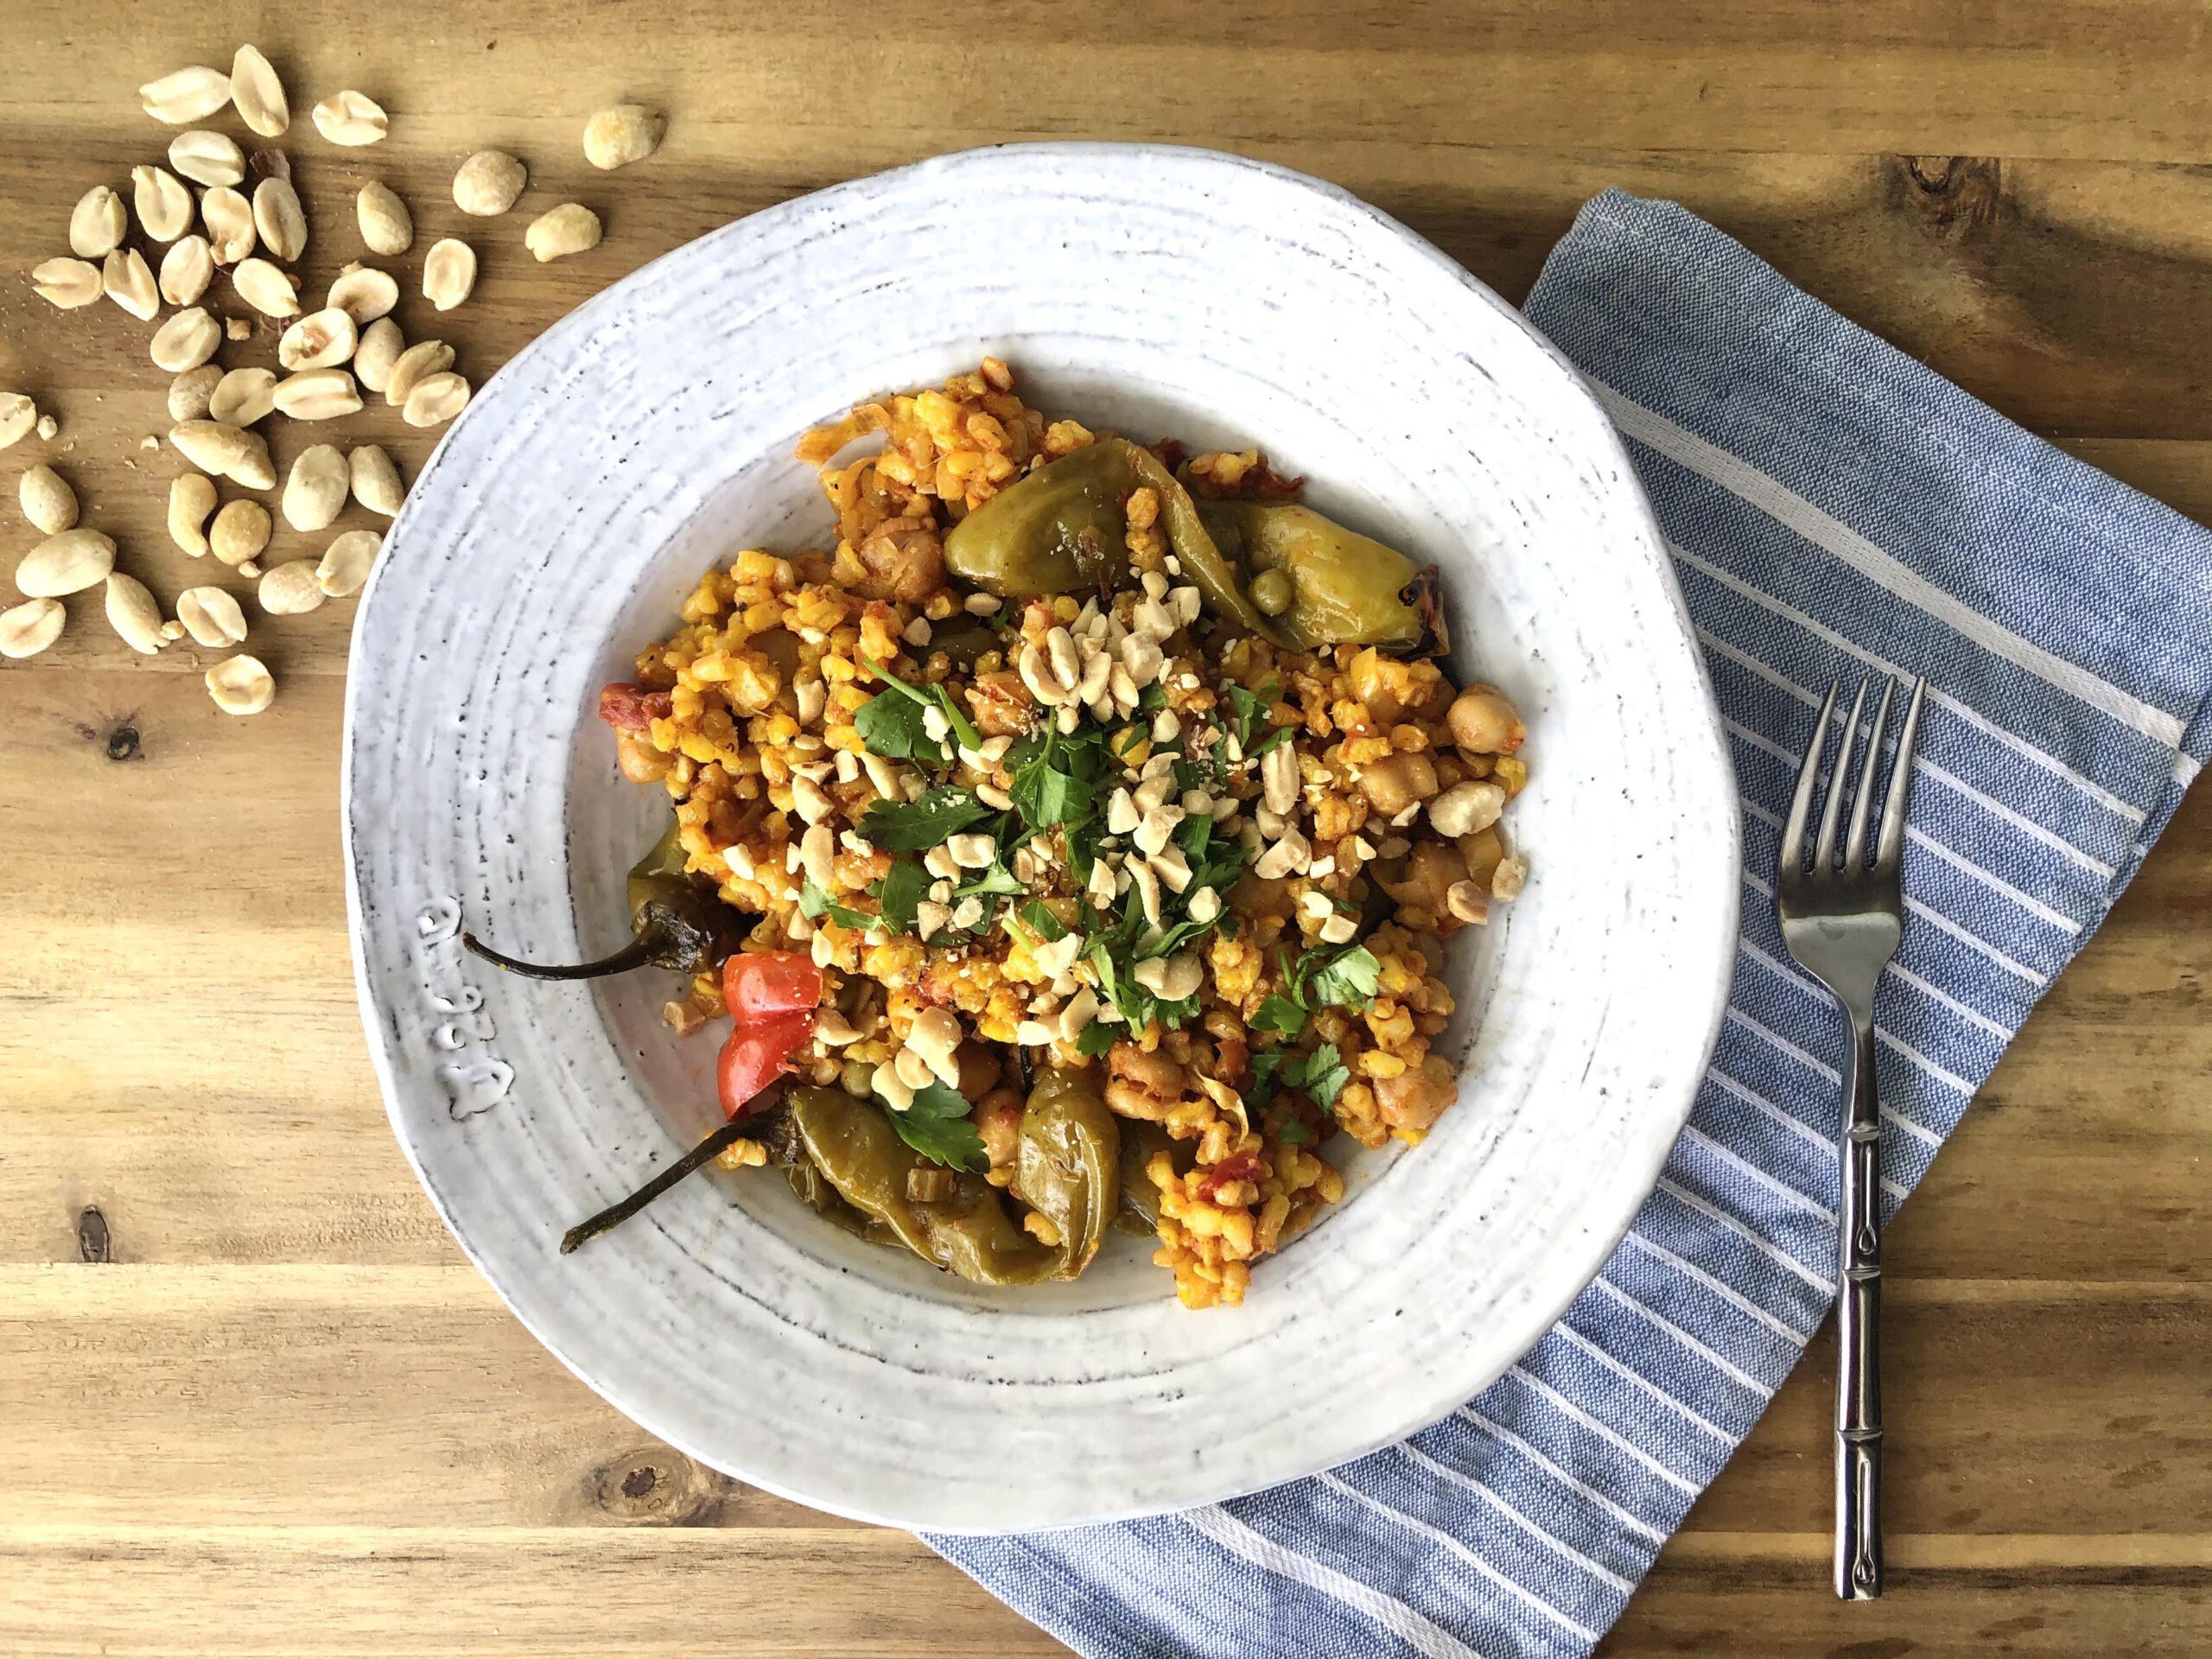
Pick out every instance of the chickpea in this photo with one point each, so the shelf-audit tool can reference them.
(1370, 685)
(1481, 851)
(1483, 722)
(1398, 781)
(641, 762)
(1427, 882)
(1417, 1098)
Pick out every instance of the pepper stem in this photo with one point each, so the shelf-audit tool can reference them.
(747, 1124)
(638, 953)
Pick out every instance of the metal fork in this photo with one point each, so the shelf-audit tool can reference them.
(1841, 915)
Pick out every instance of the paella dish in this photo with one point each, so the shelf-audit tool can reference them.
(1071, 846)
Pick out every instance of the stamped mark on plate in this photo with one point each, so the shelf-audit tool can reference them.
(476, 1079)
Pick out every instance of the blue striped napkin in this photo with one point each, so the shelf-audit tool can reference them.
(1834, 507)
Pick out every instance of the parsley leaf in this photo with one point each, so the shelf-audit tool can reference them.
(1250, 706)
(901, 891)
(1262, 1088)
(936, 1127)
(917, 826)
(927, 697)
(1280, 735)
(1280, 1013)
(1293, 1133)
(996, 880)
(890, 723)
(1094, 1038)
(1037, 918)
(1348, 981)
(813, 902)
(1324, 1076)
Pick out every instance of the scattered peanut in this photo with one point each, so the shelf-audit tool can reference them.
(258, 94)
(363, 293)
(318, 394)
(131, 284)
(242, 396)
(241, 685)
(185, 341)
(350, 119)
(347, 561)
(448, 273)
(488, 183)
(1466, 808)
(290, 589)
(18, 415)
(188, 95)
(192, 498)
(47, 502)
(192, 391)
(67, 563)
(237, 328)
(187, 269)
(96, 224)
(417, 363)
(68, 284)
(381, 345)
(316, 488)
(132, 614)
(30, 627)
(435, 399)
(569, 228)
(229, 218)
(320, 341)
(267, 289)
(164, 205)
(622, 134)
(1510, 879)
(211, 616)
(375, 479)
(47, 426)
(280, 220)
(240, 532)
(386, 226)
(209, 445)
(206, 157)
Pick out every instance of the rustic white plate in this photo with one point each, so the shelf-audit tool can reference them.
(1157, 291)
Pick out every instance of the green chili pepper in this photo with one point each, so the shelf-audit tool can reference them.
(1067, 1163)
(675, 922)
(1344, 589)
(1061, 529)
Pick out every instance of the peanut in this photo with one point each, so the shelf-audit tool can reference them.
(48, 503)
(622, 134)
(188, 95)
(381, 345)
(363, 293)
(418, 362)
(229, 218)
(30, 627)
(375, 479)
(267, 289)
(97, 223)
(280, 220)
(192, 498)
(318, 394)
(435, 399)
(208, 157)
(488, 183)
(18, 415)
(67, 563)
(448, 273)
(241, 685)
(132, 614)
(131, 284)
(211, 616)
(192, 391)
(242, 396)
(346, 562)
(320, 341)
(316, 488)
(569, 228)
(350, 119)
(164, 205)
(187, 269)
(239, 532)
(386, 226)
(258, 94)
(290, 589)
(69, 283)
(185, 341)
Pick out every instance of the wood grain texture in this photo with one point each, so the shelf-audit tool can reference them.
(279, 1414)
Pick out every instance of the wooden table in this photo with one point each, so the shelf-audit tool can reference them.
(253, 1401)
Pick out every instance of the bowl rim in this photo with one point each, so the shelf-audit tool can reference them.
(1598, 1248)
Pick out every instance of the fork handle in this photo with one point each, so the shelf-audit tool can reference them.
(1858, 1309)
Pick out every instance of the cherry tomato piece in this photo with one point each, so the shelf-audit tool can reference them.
(754, 1057)
(630, 707)
(759, 984)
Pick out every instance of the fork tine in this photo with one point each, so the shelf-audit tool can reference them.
(1854, 848)
(1800, 804)
(1824, 854)
(1892, 842)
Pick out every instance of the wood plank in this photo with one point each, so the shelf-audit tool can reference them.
(345, 1593)
(468, 1423)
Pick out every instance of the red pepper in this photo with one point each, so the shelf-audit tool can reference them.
(629, 707)
(1237, 1167)
(759, 984)
(754, 1055)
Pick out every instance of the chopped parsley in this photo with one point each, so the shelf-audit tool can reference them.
(1321, 1075)
(924, 697)
(936, 1127)
(918, 825)
(1345, 981)
(901, 891)
(1094, 1038)
(890, 723)
(815, 904)
(1037, 918)
(1250, 708)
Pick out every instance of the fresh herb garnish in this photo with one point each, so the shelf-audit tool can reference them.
(1037, 918)
(918, 825)
(927, 698)
(1094, 1038)
(987, 883)
(1281, 1014)
(1293, 1133)
(1250, 706)
(936, 1127)
(890, 723)
(1346, 980)
(1323, 1075)
(901, 891)
(1280, 735)
(813, 902)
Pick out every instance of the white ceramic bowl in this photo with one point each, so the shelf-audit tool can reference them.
(1158, 291)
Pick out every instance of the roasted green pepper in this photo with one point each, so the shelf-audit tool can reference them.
(1067, 1162)
(676, 921)
(1324, 585)
(1061, 529)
